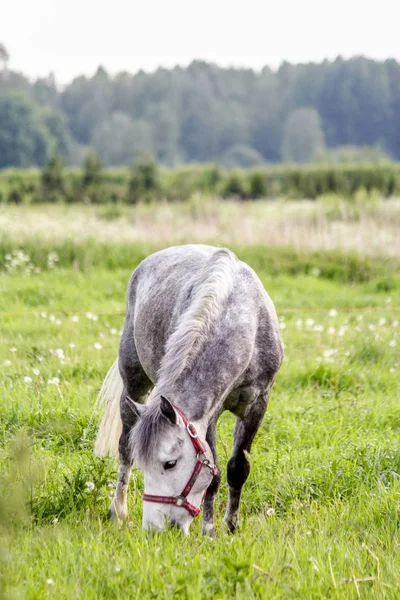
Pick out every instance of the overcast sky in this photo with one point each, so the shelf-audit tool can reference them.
(73, 37)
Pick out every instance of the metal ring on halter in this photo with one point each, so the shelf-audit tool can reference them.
(192, 432)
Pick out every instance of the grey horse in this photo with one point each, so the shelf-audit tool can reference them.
(201, 336)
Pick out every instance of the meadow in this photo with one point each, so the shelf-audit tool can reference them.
(320, 510)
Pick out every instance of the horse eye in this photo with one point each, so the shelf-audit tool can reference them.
(169, 465)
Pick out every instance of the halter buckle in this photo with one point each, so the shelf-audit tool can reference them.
(180, 501)
(192, 430)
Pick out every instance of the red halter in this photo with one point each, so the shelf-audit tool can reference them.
(201, 462)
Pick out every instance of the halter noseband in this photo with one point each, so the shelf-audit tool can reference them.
(202, 461)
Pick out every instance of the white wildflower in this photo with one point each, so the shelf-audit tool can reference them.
(52, 258)
(282, 325)
(98, 346)
(36, 372)
(113, 331)
(382, 321)
(331, 331)
(91, 316)
(72, 345)
(388, 300)
(310, 322)
(117, 569)
(392, 343)
(53, 381)
(270, 511)
(392, 370)
(395, 323)
(13, 349)
(89, 486)
(75, 318)
(7, 363)
(50, 581)
(59, 353)
(333, 312)
(330, 352)
(27, 379)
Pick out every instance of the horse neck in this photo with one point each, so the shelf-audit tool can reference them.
(191, 400)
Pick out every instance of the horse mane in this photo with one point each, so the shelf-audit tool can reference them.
(212, 286)
(144, 435)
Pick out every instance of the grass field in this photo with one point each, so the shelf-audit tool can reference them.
(320, 511)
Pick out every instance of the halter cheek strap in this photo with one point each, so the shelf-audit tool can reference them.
(202, 461)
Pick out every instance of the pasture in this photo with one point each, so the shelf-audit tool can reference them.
(320, 510)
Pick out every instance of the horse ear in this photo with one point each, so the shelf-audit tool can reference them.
(135, 407)
(168, 410)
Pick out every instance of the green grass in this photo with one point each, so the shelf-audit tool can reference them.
(326, 460)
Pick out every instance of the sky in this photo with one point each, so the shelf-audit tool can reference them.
(75, 37)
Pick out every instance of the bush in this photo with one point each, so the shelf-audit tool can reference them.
(52, 181)
(92, 171)
(144, 184)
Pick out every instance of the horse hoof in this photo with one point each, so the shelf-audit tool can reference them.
(115, 517)
(209, 532)
(231, 525)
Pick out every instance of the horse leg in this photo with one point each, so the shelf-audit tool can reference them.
(136, 386)
(118, 510)
(239, 466)
(208, 511)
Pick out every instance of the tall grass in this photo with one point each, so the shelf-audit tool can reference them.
(366, 226)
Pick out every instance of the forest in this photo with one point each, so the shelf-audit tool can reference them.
(335, 111)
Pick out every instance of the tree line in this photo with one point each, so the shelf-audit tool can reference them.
(203, 113)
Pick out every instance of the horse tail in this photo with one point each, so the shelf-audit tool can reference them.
(111, 425)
